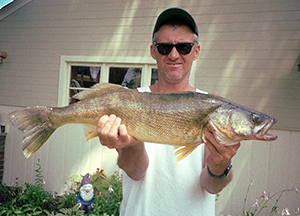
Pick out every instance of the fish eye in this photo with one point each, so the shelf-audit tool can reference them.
(256, 118)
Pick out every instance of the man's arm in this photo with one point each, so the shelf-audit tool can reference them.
(133, 158)
(217, 158)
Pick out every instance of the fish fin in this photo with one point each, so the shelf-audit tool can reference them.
(182, 152)
(34, 122)
(96, 89)
(90, 131)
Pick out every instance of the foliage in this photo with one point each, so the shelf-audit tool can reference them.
(108, 192)
(74, 211)
(32, 199)
(27, 199)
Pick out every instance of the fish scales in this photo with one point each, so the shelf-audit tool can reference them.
(159, 118)
(168, 118)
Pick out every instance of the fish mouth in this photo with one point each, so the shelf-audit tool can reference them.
(260, 132)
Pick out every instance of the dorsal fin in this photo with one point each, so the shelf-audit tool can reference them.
(96, 89)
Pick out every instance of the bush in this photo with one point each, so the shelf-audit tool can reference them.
(32, 199)
(107, 189)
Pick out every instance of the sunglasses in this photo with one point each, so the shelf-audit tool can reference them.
(182, 48)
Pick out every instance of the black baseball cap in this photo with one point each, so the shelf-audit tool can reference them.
(178, 14)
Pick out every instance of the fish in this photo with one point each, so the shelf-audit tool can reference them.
(178, 118)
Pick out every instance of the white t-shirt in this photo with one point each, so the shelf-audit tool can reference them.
(169, 188)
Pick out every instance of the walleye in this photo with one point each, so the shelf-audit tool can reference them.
(178, 119)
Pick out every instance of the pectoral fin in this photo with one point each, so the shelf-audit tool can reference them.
(183, 151)
(90, 131)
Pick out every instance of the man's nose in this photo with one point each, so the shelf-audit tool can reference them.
(174, 53)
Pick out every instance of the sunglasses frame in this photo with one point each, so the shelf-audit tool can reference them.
(157, 45)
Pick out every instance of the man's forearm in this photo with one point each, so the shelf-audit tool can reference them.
(134, 160)
(214, 185)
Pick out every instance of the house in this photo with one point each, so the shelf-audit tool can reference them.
(249, 54)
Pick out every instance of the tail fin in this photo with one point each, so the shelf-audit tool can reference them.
(34, 121)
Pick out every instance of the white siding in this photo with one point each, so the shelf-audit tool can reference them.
(249, 54)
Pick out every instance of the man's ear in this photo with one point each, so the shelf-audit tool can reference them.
(152, 51)
(197, 51)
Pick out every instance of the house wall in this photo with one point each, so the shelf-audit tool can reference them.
(249, 54)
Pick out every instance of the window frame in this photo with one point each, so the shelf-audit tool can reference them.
(146, 63)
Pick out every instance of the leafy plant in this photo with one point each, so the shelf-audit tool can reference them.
(74, 211)
(108, 192)
(32, 199)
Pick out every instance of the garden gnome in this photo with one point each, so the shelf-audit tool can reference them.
(86, 195)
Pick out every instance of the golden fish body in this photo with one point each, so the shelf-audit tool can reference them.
(169, 118)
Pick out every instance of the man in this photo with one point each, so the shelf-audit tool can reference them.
(153, 182)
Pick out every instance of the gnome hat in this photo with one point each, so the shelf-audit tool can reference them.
(86, 180)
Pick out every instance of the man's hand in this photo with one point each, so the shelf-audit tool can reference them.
(217, 158)
(112, 133)
(133, 158)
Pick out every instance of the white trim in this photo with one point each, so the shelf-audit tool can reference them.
(12, 7)
(108, 59)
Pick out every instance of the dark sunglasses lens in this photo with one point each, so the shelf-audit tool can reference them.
(164, 49)
(184, 48)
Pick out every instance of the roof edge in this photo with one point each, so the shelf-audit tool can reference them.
(12, 7)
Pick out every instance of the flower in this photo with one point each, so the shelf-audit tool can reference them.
(256, 204)
(110, 189)
(98, 194)
(265, 196)
(285, 212)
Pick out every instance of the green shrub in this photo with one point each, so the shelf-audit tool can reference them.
(32, 199)
(108, 192)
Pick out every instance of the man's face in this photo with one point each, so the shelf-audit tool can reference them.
(174, 67)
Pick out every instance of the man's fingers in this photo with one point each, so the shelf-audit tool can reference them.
(101, 122)
(123, 135)
(113, 128)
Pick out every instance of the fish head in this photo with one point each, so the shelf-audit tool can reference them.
(233, 123)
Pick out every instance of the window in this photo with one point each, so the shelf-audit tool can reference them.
(79, 73)
(83, 77)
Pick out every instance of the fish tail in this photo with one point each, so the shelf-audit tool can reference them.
(35, 122)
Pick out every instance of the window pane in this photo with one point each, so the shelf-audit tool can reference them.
(125, 76)
(154, 76)
(83, 77)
